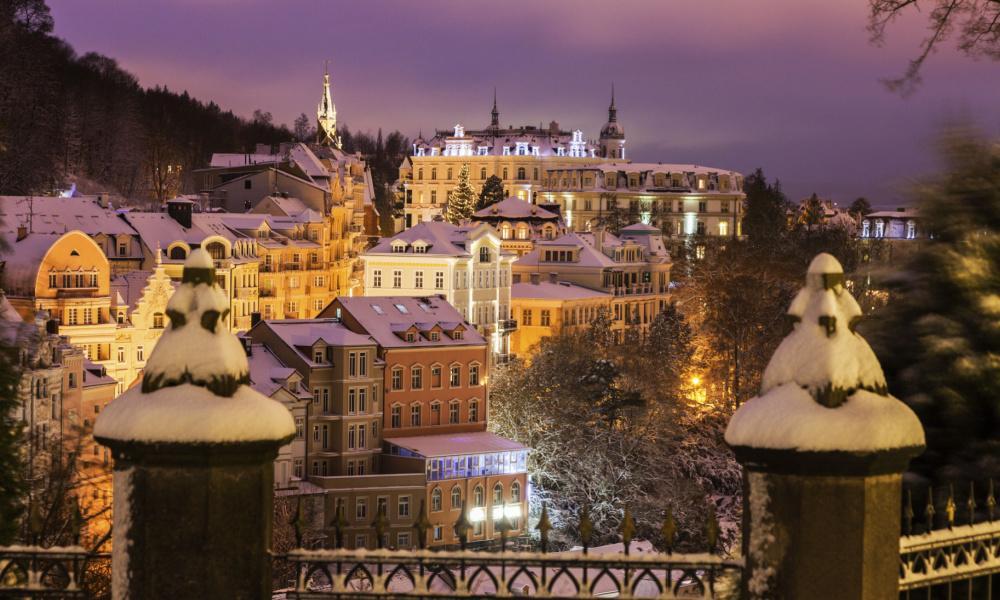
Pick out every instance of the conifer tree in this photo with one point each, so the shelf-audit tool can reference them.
(764, 220)
(491, 193)
(939, 337)
(462, 202)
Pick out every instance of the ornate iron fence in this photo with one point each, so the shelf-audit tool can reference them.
(37, 572)
(957, 560)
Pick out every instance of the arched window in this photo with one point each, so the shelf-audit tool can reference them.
(216, 250)
(515, 492)
(456, 497)
(484, 254)
(498, 494)
(482, 173)
(436, 500)
(478, 497)
(178, 253)
(520, 173)
(505, 231)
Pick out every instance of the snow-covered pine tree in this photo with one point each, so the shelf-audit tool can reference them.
(462, 202)
(491, 193)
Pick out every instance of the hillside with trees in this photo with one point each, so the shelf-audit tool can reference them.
(66, 118)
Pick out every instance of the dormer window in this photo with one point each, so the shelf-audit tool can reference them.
(317, 355)
(483, 151)
(399, 247)
(457, 334)
(434, 336)
(410, 337)
(484, 255)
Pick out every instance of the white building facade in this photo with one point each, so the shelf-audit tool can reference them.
(464, 264)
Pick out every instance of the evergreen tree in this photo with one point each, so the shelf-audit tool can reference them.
(461, 203)
(939, 337)
(600, 334)
(765, 218)
(860, 208)
(11, 468)
(491, 193)
(812, 213)
(668, 350)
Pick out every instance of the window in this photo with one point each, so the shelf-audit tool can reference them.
(121, 354)
(397, 416)
(473, 411)
(526, 317)
(350, 467)
(397, 279)
(456, 376)
(484, 255)
(377, 278)
(352, 363)
(439, 280)
(72, 380)
(139, 354)
(216, 250)
(438, 533)
(521, 173)
(362, 437)
(723, 228)
(297, 468)
(546, 319)
(363, 364)
(416, 378)
(402, 540)
(498, 494)
(453, 412)
(71, 316)
(434, 173)
(361, 509)
(375, 431)
(456, 497)
(473, 374)
(515, 492)
(351, 437)
(397, 378)
(436, 500)
(482, 173)
(403, 506)
(435, 376)
(418, 279)
(415, 415)
(361, 540)
(352, 404)
(317, 355)
(362, 400)
(157, 320)
(300, 428)
(478, 496)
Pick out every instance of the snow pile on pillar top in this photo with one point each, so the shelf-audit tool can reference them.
(195, 386)
(824, 389)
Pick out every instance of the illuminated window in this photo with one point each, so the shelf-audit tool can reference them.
(515, 492)
(456, 376)
(473, 411)
(436, 500)
(498, 494)
(456, 497)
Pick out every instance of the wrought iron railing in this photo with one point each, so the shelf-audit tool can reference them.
(962, 558)
(37, 572)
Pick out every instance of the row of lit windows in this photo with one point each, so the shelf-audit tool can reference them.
(522, 174)
(477, 465)
(478, 496)
(417, 377)
(416, 413)
(73, 280)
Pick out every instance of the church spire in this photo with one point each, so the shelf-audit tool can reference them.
(326, 114)
(495, 114)
(612, 111)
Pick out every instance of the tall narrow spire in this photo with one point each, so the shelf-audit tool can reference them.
(326, 114)
(612, 111)
(495, 114)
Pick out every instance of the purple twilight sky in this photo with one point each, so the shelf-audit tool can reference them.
(788, 85)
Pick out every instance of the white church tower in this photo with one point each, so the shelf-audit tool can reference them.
(326, 116)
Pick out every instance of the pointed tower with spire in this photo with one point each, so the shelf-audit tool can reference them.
(326, 115)
(495, 115)
(612, 134)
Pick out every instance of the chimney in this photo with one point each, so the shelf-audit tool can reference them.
(534, 278)
(254, 318)
(553, 277)
(180, 211)
(52, 327)
(22, 232)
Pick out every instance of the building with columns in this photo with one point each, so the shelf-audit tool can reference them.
(519, 156)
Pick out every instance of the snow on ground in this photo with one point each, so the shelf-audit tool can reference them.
(190, 413)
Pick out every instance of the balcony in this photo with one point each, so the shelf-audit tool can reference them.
(506, 325)
(78, 292)
(633, 290)
(267, 292)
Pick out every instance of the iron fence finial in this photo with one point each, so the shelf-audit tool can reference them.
(991, 502)
(669, 531)
(543, 527)
(586, 528)
(929, 509)
(628, 529)
(712, 529)
(949, 507)
(971, 503)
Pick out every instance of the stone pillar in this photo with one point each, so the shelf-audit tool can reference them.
(822, 525)
(194, 448)
(823, 450)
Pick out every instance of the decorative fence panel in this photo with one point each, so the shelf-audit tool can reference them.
(57, 572)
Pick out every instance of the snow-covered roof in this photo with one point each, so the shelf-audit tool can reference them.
(588, 255)
(637, 167)
(268, 374)
(50, 214)
(456, 444)
(515, 208)
(24, 257)
(492, 142)
(222, 159)
(382, 317)
(903, 213)
(441, 238)
(95, 375)
(127, 289)
(301, 334)
(546, 290)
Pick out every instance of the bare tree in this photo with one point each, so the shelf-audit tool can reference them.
(974, 23)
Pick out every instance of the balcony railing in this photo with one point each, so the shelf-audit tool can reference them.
(504, 325)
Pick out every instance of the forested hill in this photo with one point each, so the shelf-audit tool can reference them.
(63, 116)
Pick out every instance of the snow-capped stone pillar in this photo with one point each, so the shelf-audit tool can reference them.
(823, 449)
(193, 449)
